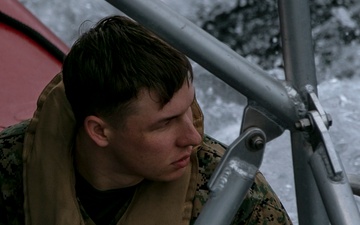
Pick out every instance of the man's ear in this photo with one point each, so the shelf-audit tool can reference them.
(97, 129)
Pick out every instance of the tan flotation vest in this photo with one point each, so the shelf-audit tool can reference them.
(49, 181)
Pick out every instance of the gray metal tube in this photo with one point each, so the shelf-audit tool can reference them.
(213, 55)
(354, 181)
(310, 207)
(233, 178)
(300, 72)
(297, 44)
(223, 205)
(335, 194)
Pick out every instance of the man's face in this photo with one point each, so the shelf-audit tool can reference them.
(156, 142)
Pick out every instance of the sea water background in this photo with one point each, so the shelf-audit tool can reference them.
(223, 106)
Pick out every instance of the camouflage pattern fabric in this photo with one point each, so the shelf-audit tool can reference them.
(260, 207)
(11, 170)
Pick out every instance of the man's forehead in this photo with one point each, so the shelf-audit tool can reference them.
(150, 99)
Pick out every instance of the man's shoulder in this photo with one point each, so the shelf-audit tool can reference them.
(16, 130)
(11, 167)
(260, 206)
(209, 155)
(11, 145)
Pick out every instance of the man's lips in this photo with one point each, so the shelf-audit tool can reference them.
(183, 162)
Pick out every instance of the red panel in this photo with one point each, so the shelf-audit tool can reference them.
(25, 66)
(16, 10)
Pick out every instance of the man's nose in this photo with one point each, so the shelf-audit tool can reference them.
(189, 135)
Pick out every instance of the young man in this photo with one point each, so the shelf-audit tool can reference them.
(117, 138)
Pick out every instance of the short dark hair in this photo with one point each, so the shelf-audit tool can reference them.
(108, 66)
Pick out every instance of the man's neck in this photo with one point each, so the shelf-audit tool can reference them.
(93, 164)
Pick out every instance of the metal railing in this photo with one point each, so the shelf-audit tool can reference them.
(322, 187)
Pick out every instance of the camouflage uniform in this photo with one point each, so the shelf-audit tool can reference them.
(261, 205)
(11, 169)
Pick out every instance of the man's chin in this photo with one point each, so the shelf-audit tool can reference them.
(175, 175)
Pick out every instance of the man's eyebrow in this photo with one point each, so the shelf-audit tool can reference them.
(174, 116)
(162, 120)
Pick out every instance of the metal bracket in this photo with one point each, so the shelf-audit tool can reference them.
(233, 177)
(305, 124)
(326, 166)
(330, 157)
(317, 123)
(254, 116)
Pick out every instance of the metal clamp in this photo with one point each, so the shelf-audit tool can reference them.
(317, 123)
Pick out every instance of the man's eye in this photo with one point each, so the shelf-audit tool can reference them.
(166, 122)
(162, 125)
